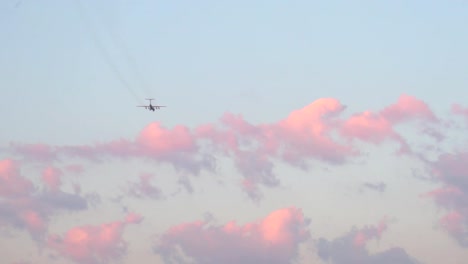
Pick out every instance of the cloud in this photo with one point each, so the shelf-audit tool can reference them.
(408, 108)
(62, 200)
(451, 170)
(460, 110)
(34, 152)
(144, 188)
(274, 239)
(379, 187)
(23, 213)
(176, 146)
(377, 127)
(11, 183)
(158, 141)
(94, 244)
(51, 177)
(34, 211)
(313, 132)
(304, 134)
(351, 248)
(372, 128)
(25, 207)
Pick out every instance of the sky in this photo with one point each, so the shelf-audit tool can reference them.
(294, 132)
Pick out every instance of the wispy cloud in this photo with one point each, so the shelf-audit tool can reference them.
(379, 186)
(144, 188)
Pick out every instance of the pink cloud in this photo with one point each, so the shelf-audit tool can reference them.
(11, 182)
(17, 209)
(309, 133)
(23, 206)
(94, 244)
(33, 220)
(305, 134)
(452, 172)
(377, 127)
(448, 197)
(408, 107)
(453, 223)
(39, 152)
(51, 177)
(370, 127)
(23, 213)
(176, 146)
(274, 239)
(133, 218)
(314, 132)
(156, 140)
(452, 168)
(460, 110)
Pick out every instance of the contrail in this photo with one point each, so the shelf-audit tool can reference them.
(104, 52)
(130, 60)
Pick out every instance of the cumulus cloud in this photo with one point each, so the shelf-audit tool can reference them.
(408, 108)
(274, 239)
(377, 127)
(351, 248)
(94, 244)
(310, 133)
(304, 134)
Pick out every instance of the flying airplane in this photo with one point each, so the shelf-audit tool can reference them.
(150, 106)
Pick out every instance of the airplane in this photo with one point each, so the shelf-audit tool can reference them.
(150, 106)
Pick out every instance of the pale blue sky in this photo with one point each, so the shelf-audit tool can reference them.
(62, 74)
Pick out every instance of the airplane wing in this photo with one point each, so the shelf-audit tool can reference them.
(145, 106)
(159, 105)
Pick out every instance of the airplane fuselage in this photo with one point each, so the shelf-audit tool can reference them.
(151, 107)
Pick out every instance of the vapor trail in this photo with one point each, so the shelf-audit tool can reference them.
(130, 60)
(104, 53)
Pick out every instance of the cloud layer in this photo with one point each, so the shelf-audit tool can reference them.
(314, 132)
(320, 132)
